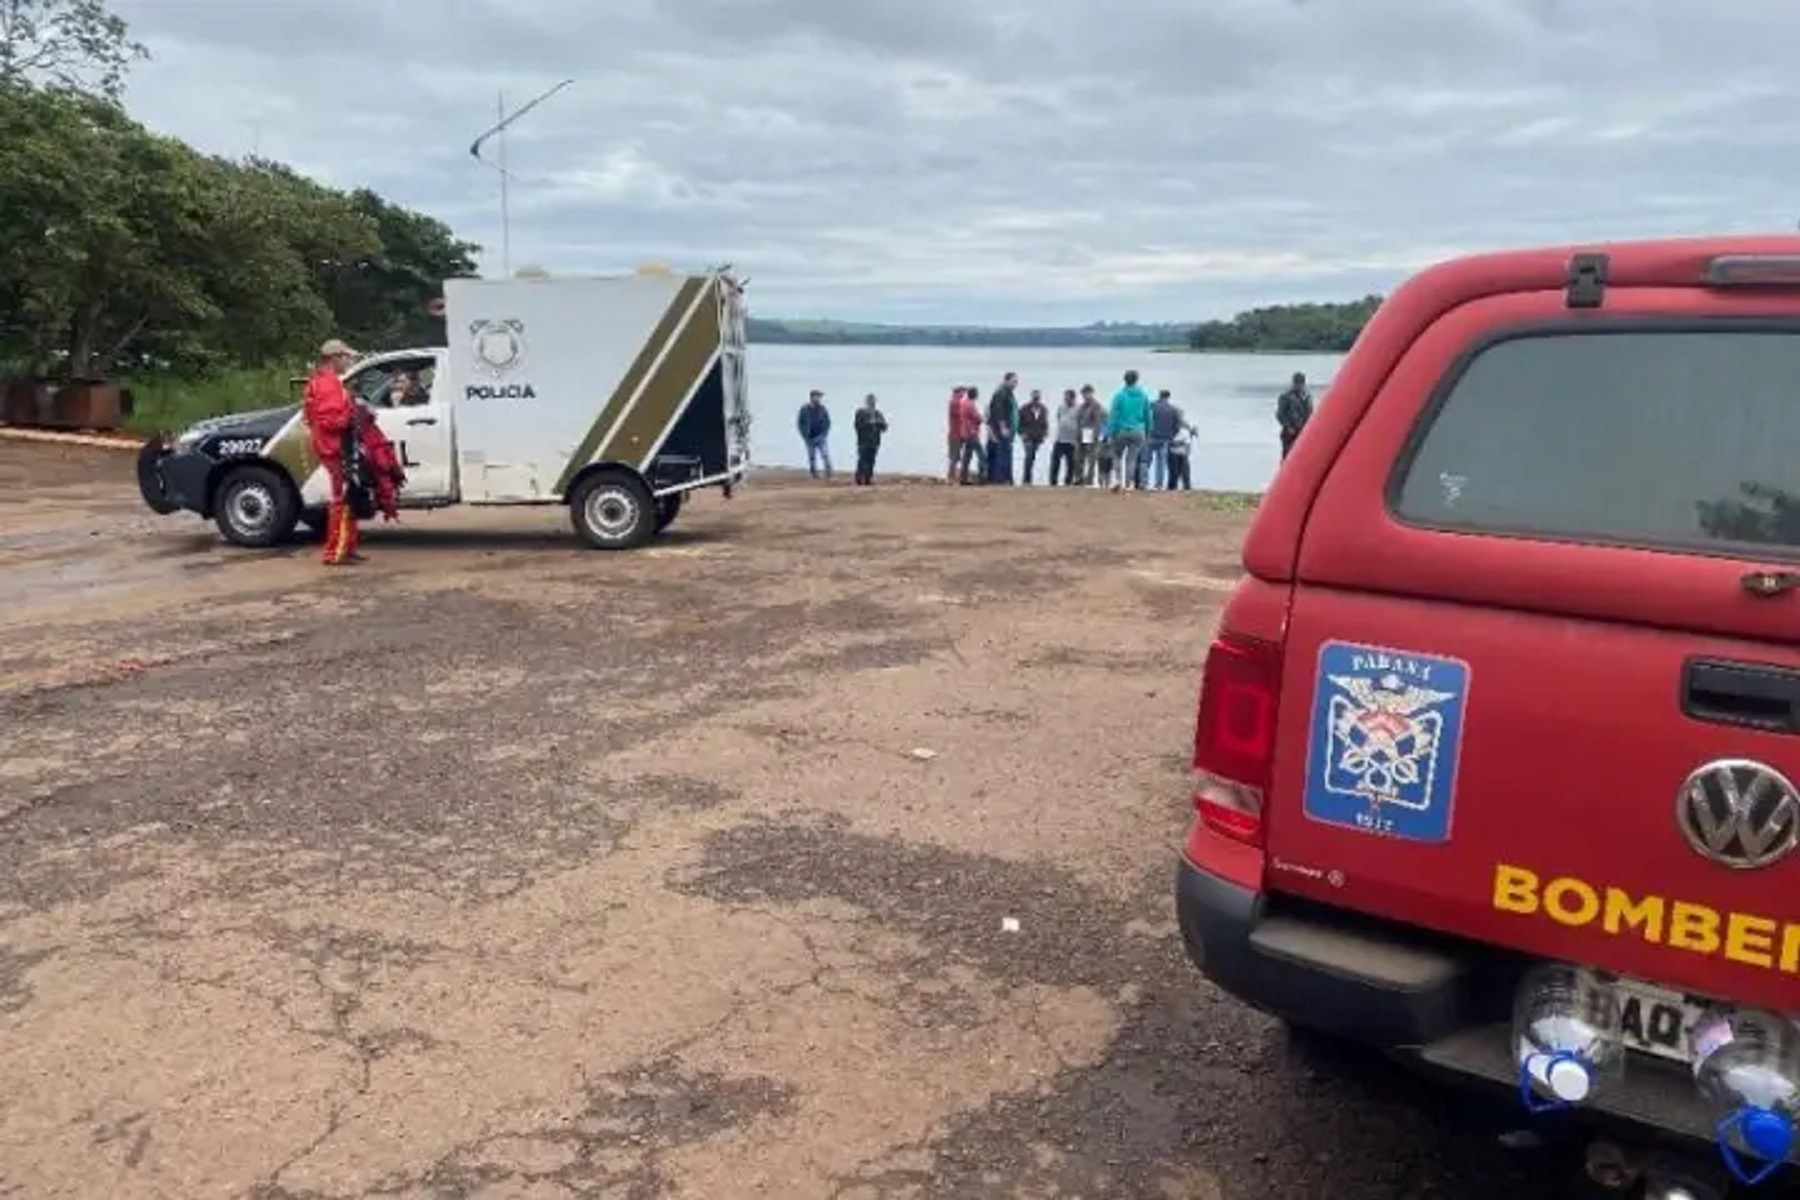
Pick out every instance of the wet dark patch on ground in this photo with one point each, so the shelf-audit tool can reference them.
(951, 901)
(354, 734)
(1004, 579)
(15, 989)
(613, 1147)
(1167, 602)
(1012, 718)
(1061, 657)
(681, 793)
(1186, 1082)
(1194, 1086)
(665, 1103)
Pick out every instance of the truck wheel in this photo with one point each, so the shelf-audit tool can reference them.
(255, 507)
(667, 508)
(613, 511)
(149, 473)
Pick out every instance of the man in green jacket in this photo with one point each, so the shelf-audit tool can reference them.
(1003, 427)
(1127, 425)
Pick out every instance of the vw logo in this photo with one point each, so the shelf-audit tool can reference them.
(1739, 813)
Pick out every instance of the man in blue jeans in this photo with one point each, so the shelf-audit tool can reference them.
(1166, 420)
(1127, 425)
(815, 431)
(1002, 427)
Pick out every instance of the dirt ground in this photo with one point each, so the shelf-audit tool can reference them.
(500, 868)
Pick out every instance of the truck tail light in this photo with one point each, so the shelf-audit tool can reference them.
(1234, 737)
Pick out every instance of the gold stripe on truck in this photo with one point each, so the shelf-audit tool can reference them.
(585, 450)
(292, 449)
(674, 378)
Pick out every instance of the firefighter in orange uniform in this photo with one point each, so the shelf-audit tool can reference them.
(330, 419)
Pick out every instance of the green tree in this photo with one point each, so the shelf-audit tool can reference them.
(277, 239)
(1324, 328)
(75, 45)
(101, 222)
(382, 299)
(125, 252)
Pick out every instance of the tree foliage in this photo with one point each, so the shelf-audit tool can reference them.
(1327, 328)
(125, 252)
(73, 45)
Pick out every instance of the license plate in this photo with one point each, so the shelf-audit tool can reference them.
(1654, 1020)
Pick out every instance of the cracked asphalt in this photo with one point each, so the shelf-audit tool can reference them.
(500, 868)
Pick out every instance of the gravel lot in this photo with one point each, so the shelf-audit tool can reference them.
(500, 868)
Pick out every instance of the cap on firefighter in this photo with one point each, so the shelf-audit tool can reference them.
(335, 348)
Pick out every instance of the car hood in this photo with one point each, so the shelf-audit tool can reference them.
(262, 423)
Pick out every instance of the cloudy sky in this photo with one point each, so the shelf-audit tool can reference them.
(1012, 161)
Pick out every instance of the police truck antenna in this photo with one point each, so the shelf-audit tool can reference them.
(503, 120)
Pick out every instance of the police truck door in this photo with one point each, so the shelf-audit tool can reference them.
(422, 430)
(410, 408)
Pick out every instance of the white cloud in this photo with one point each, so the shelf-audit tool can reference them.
(1012, 160)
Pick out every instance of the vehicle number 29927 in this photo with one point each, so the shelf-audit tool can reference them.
(238, 447)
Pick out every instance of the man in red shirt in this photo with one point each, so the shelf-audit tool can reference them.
(953, 433)
(965, 434)
(330, 416)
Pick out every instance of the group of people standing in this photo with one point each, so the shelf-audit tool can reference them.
(1133, 441)
(1130, 442)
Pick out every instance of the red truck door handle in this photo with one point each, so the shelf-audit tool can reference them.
(1771, 583)
(1753, 695)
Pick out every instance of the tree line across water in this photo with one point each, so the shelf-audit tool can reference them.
(1322, 328)
(207, 281)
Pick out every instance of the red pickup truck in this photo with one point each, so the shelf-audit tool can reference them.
(1513, 679)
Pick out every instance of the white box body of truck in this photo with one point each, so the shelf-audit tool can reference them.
(615, 395)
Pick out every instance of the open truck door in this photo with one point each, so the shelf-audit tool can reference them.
(732, 321)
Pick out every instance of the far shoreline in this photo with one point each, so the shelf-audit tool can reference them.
(1265, 353)
(1211, 499)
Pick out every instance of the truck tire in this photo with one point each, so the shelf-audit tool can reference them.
(255, 507)
(613, 511)
(667, 508)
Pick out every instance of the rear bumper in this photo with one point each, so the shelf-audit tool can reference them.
(1380, 991)
(1443, 1008)
(173, 480)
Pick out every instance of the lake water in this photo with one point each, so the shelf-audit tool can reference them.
(1229, 398)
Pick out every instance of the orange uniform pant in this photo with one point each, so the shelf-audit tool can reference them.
(341, 535)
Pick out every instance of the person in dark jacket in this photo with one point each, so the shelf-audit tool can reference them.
(814, 424)
(1292, 411)
(1003, 426)
(1166, 420)
(870, 425)
(1034, 430)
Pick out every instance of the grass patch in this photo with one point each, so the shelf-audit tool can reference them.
(167, 405)
(1229, 502)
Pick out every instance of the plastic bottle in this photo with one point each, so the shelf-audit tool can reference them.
(1747, 1067)
(1565, 1037)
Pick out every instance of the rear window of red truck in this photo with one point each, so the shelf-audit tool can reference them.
(1668, 438)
